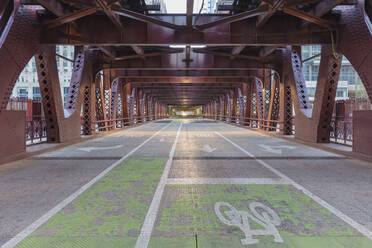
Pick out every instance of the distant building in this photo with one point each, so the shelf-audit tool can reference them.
(163, 6)
(223, 2)
(27, 86)
(349, 85)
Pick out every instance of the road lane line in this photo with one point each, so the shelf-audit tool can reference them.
(185, 181)
(148, 225)
(31, 228)
(362, 229)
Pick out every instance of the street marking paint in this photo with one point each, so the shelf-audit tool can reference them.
(362, 229)
(268, 219)
(91, 148)
(148, 224)
(207, 148)
(275, 149)
(185, 181)
(31, 228)
(187, 210)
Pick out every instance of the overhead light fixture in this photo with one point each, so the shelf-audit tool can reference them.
(177, 46)
(198, 46)
(184, 46)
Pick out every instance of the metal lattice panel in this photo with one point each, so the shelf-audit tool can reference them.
(73, 91)
(300, 83)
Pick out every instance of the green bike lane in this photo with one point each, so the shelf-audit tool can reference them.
(214, 195)
(136, 172)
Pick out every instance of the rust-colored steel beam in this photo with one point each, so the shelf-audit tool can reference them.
(144, 18)
(234, 18)
(308, 17)
(227, 54)
(114, 18)
(54, 6)
(70, 17)
(189, 12)
(142, 55)
(323, 7)
(198, 80)
(147, 34)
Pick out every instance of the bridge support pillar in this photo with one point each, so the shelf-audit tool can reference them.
(314, 123)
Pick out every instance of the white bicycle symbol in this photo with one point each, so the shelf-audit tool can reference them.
(268, 219)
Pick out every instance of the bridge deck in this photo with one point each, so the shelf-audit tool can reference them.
(186, 183)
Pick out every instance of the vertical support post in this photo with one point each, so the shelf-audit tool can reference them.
(224, 118)
(285, 103)
(47, 71)
(234, 99)
(247, 93)
(125, 101)
(147, 107)
(274, 103)
(139, 106)
(89, 110)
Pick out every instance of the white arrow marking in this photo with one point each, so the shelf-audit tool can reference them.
(276, 149)
(208, 148)
(89, 149)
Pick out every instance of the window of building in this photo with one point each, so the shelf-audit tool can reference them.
(315, 50)
(36, 93)
(306, 71)
(305, 51)
(311, 91)
(340, 93)
(22, 93)
(348, 74)
(314, 72)
(65, 94)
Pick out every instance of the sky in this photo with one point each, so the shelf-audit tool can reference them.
(179, 6)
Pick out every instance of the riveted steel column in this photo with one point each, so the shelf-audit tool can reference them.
(234, 99)
(247, 93)
(139, 106)
(313, 124)
(125, 96)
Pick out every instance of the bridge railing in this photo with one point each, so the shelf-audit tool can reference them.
(341, 130)
(267, 125)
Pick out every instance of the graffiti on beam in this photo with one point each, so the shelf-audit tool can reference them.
(260, 214)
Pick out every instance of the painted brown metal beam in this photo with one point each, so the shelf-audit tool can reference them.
(70, 17)
(266, 51)
(234, 18)
(307, 17)
(263, 19)
(197, 80)
(114, 18)
(142, 34)
(54, 6)
(189, 12)
(226, 54)
(147, 55)
(144, 18)
(109, 51)
(323, 7)
(237, 50)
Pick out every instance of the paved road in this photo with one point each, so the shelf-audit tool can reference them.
(186, 183)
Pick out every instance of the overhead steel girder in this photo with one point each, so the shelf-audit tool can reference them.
(279, 30)
(199, 80)
(199, 62)
(173, 73)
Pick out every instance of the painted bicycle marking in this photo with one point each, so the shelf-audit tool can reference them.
(266, 218)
